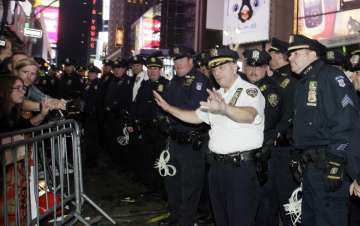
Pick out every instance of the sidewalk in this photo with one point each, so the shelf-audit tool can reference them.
(122, 197)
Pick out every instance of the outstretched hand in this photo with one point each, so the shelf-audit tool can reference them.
(161, 102)
(214, 104)
(355, 189)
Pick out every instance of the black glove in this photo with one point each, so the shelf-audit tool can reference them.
(334, 172)
(295, 165)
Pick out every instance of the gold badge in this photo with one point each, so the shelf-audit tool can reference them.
(214, 52)
(263, 88)
(273, 99)
(330, 55)
(312, 94)
(285, 83)
(188, 80)
(235, 97)
(256, 55)
(160, 88)
(252, 92)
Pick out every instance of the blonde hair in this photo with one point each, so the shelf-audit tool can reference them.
(25, 62)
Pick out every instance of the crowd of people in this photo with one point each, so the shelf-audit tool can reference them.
(235, 143)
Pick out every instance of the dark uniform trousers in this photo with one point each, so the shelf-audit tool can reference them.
(92, 141)
(184, 189)
(153, 143)
(277, 190)
(320, 207)
(233, 193)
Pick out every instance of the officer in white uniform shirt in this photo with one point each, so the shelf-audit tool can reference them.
(139, 75)
(235, 113)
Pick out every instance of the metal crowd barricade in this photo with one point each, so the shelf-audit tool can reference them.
(41, 178)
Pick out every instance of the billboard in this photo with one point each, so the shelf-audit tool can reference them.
(50, 16)
(147, 29)
(246, 21)
(333, 22)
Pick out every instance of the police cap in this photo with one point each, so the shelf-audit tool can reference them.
(69, 62)
(222, 55)
(121, 63)
(154, 62)
(107, 62)
(297, 42)
(335, 57)
(354, 49)
(279, 46)
(94, 69)
(137, 60)
(255, 57)
(178, 52)
(202, 59)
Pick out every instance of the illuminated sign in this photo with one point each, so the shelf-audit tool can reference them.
(119, 37)
(333, 22)
(51, 19)
(93, 29)
(246, 21)
(147, 29)
(34, 33)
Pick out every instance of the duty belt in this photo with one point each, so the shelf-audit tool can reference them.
(233, 158)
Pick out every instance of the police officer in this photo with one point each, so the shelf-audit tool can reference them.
(281, 188)
(71, 84)
(139, 75)
(202, 60)
(236, 115)
(48, 83)
(336, 58)
(257, 65)
(146, 114)
(117, 105)
(326, 108)
(90, 112)
(186, 90)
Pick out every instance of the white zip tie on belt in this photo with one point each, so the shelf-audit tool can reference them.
(161, 164)
(124, 140)
(293, 208)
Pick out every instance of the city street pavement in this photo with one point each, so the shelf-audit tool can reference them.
(122, 196)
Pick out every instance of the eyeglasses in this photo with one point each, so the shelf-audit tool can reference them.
(20, 88)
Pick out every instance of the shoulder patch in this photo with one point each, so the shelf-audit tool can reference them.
(340, 80)
(273, 99)
(285, 83)
(252, 92)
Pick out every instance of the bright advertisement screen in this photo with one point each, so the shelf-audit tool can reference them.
(333, 22)
(147, 29)
(246, 21)
(51, 19)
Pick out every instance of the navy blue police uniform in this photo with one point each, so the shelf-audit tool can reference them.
(116, 108)
(146, 115)
(184, 189)
(90, 114)
(274, 112)
(281, 188)
(70, 86)
(326, 108)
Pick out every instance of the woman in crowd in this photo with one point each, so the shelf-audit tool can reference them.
(12, 94)
(27, 69)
